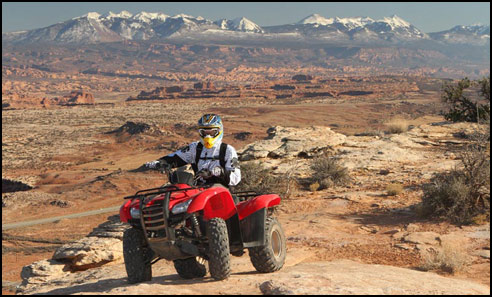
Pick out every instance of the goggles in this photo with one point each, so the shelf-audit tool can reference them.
(213, 132)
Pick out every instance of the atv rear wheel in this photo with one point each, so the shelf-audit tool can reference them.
(271, 256)
(190, 268)
(137, 255)
(219, 261)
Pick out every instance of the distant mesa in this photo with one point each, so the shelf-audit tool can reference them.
(78, 97)
(356, 93)
(74, 98)
(278, 87)
(15, 100)
(204, 86)
(159, 93)
(302, 77)
(300, 86)
(205, 89)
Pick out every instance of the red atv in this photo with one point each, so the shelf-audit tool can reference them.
(191, 224)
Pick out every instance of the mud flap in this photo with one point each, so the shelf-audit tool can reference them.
(234, 230)
(253, 229)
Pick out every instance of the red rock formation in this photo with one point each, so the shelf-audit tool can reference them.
(77, 97)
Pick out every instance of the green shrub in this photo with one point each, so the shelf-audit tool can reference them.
(328, 172)
(463, 102)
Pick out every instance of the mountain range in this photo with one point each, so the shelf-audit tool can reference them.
(110, 27)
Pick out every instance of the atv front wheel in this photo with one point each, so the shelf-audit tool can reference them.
(137, 255)
(271, 256)
(190, 268)
(219, 261)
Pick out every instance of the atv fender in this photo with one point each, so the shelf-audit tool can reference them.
(215, 202)
(125, 212)
(263, 201)
(252, 215)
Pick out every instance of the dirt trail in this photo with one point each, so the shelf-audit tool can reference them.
(57, 218)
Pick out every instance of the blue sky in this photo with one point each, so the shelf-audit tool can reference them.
(427, 16)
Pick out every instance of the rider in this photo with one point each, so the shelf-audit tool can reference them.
(217, 162)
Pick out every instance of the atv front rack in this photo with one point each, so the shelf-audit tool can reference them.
(162, 190)
(155, 223)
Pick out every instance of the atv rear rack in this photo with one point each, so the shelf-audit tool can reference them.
(245, 194)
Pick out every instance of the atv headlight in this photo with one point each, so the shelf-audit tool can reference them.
(135, 213)
(181, 207)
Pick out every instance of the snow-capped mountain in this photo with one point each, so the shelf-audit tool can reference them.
(316, 19)
(474, 34)
(108, 27)
(395, 27)
(239, 24)
(349, 23)
(357, 28)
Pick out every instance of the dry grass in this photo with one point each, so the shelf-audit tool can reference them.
(255, 177)
(394, 189)
(396, 125)
(450, 258)
(328, 172)
(462, 195)
(314, 186)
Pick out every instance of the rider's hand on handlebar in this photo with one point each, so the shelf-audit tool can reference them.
(152, 164)
(218, 171)
(158, 165)
(204, 173)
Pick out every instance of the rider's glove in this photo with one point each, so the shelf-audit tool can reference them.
(218, 171)
(152, 164)
(205, 173)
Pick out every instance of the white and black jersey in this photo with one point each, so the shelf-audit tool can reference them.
(208, 159)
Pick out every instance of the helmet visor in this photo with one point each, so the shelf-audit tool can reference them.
(213, 132)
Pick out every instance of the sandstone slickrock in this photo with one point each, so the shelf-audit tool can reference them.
(286, 142)
(101, 246)
(89, 252)
(352, 278)
(340, 277)
(431, 238)
(43, 271)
